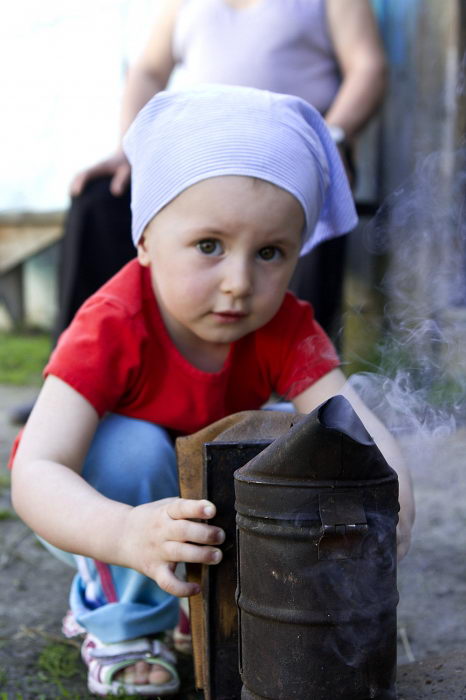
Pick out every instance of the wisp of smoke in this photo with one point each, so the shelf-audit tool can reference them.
(419, 384)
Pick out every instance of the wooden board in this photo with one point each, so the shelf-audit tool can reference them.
(221, 460)
(24, 236)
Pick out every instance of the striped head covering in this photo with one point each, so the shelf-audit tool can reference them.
(180, 138)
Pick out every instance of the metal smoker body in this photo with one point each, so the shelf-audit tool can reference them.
(316, 540)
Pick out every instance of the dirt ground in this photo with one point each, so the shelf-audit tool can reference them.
(35, 665)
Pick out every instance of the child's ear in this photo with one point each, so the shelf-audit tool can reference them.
(143, 255)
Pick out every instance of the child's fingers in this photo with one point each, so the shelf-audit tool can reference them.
(199, 533)
(192, 553)
(181, 508)
(167, 580)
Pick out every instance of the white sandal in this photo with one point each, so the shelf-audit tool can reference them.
(104, 661)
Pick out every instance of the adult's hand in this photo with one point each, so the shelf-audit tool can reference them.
(116, 166)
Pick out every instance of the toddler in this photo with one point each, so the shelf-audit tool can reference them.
(229, 186)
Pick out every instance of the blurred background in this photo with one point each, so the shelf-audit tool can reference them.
(62, 66)
(61, 76)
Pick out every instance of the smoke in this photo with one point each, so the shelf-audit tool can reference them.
(422, 227)
(417, 379)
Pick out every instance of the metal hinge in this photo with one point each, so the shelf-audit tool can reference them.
(344, 524)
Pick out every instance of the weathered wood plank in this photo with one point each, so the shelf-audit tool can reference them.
(24, 235)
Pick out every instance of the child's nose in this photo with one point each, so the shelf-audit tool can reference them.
(237, 278)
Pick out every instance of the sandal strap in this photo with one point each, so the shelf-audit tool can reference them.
(107, 670)
(135, 649)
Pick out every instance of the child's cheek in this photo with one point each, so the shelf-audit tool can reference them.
(191, 289)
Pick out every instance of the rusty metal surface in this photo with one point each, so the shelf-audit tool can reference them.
(316, 518)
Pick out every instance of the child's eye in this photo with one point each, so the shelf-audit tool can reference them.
(270, 252)
(209, 246)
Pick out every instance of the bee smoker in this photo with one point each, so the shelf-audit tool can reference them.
(316, 545)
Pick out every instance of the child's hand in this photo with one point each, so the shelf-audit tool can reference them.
(158, 535)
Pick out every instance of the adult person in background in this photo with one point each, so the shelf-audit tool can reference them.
(326, 51)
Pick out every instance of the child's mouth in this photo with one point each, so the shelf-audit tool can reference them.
(229, 316)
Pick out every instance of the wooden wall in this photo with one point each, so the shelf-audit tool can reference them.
(415, 247)
(28, 268)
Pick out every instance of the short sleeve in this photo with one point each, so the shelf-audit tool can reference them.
(304, 353)
(99, 354)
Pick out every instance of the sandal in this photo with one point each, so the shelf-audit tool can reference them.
(70, 627)
(106, 660)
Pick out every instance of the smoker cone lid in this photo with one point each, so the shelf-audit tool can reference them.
(329, 444)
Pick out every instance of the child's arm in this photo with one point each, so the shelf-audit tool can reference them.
(147, 76)
(54, 500)
(335, 383)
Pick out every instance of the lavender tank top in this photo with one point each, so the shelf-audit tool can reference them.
(278, 45)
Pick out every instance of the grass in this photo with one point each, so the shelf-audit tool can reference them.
(59, 664)
(23, 357)
(5, 481)
(6, 514)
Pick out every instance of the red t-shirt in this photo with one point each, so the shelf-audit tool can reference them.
(118, 355)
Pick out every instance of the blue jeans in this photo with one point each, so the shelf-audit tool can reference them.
(131, 461)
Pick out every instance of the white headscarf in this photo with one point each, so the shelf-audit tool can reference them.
(180, 138)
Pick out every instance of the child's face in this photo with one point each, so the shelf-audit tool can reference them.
(221, 256)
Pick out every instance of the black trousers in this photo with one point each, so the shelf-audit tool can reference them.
(318, 278)
(97, 243)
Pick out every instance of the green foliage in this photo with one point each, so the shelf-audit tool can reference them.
(7, 514)
(3, 678)
(5, 482)
(59, 661)
(59, 665)
(436, 384)
(23, 357)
